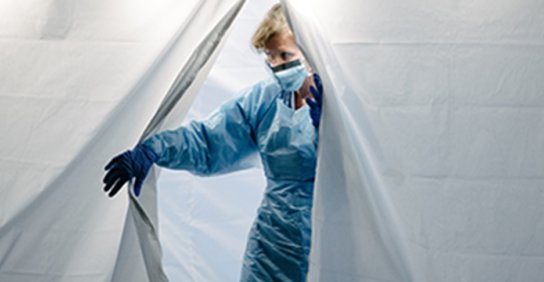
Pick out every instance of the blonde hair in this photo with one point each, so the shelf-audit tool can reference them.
(274, 23)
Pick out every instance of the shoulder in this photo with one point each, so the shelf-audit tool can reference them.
(253, 102)
(260, 95)
(263, 90)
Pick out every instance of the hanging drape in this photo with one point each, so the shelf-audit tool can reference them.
(430, 164)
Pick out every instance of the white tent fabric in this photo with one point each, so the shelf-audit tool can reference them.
(430, 164)
(79, 82)
(430, 161)
(142, 211)
(204, 221)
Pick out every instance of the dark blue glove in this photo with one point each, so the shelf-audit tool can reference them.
(316, 102)
(130, 164)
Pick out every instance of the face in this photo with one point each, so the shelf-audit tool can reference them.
(281, 49)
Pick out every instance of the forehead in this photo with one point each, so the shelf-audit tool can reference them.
(280, 42)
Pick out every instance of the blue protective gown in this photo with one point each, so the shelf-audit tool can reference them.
(258, 121)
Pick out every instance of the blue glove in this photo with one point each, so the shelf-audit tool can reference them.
(316, 102)
(130, 164)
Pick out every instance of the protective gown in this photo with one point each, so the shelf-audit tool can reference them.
(261, 120)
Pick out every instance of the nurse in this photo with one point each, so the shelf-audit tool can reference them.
(278, 118)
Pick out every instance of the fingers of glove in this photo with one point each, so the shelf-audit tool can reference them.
(316, 94)
(112, 162)
(318, 84)
(311, 102)
(111, 181)
(108, 186)
(138, 186)
(117, 159)
(114, 174)
(118, 185)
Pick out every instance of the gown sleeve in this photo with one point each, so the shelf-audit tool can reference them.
(214, 146)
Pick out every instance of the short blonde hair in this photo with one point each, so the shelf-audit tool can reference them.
(273, 23)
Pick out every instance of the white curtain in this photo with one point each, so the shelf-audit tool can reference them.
(430, 164)
(204, 221)
(430, 160)
(79, 82)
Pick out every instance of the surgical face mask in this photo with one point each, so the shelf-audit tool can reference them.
(290, 75)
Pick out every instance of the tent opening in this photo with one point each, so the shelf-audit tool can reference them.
(204, 221)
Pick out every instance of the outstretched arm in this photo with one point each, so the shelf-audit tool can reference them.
(217, 145)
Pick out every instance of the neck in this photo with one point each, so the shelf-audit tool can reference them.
(302, 93)
(300, 97)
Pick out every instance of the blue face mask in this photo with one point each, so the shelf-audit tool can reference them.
(290, 75)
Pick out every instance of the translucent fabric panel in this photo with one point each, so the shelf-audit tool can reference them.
(79, 81)
(430, 163)
(204, 221)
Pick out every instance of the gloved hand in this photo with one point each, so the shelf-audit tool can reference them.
(132, 163)
(316, 102)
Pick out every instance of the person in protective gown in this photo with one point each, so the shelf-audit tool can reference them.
(278, 118)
